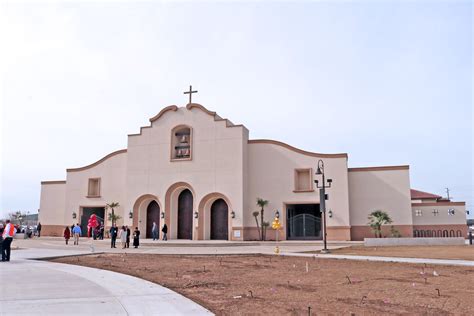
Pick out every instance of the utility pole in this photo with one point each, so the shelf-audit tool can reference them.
(447, 192)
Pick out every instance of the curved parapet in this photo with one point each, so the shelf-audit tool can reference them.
(173, 108)
(118, 152)
(300, 151)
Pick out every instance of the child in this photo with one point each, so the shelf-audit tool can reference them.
(67, 234)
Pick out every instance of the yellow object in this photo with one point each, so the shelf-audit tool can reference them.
(277, 250)
(276, 223)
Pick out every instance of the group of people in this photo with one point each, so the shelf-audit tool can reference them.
(7, 233)
(124, 235)
(154, 231)
(75, 231)
(34, 231)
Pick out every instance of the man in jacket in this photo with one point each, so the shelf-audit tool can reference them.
(76, 231)
(113, 235)
(7, 235)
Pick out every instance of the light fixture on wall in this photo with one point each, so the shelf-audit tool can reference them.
(162, 214)
(330, 213)
(232, 214)
(130, 214)
(196, 214)
(277, 214)
(74, 215)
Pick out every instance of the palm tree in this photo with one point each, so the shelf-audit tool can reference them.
(377, 219)
(255, 214)
(112, 217)
(262, 203)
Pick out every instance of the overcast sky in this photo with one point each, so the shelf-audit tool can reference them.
(387, 82)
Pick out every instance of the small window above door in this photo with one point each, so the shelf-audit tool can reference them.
(303, 180)
(93, 189)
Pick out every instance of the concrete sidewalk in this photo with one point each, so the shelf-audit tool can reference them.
(46, 288)
(449, 262)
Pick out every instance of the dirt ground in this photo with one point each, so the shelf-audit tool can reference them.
(462, 252)
(255, 285)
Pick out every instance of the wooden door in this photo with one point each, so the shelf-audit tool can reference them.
(219, 220)
(152, 215)
(185, 215)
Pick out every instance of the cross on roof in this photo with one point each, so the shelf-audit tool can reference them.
(190, 92)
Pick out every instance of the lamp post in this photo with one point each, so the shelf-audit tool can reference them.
(322, 199)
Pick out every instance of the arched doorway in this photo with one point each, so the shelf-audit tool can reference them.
(219, 220)
(185, 215)
(152, 215)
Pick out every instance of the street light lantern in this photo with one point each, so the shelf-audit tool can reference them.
(277, 214)
(329, 180)
(319, 170)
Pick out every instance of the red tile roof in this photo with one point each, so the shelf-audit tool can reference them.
(420, 195)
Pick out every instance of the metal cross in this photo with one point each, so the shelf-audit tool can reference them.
(435, 212)
(190, 92)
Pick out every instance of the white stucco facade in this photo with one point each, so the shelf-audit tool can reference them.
(205, 176)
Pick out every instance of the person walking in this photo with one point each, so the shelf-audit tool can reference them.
(1, 238)
(164, 230)
(67, 234)
(76, 232)
(38, 229)
(123, 237)
(113, 235)
(101, 231)
(136, 238)
(7, 235)
(154, 231)
(128, 237)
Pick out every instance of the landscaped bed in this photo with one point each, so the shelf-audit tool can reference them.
(246, 284)
(459, 252)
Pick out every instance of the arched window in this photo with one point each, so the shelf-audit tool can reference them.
(181, 143)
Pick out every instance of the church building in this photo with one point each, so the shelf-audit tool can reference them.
(202, 175)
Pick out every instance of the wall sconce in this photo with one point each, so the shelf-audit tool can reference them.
(232, 214)
(130, 214)
(277, 214)
(330, 213)
(74, 215)
(196, 214)
(162, 214)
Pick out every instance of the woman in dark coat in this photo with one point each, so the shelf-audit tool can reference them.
(67, 234)
(136, 238)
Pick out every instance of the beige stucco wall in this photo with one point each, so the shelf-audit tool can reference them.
(217, 164)
(442, 218)
(53, 204)
(112, 174)
(272, 177)
(387, 190)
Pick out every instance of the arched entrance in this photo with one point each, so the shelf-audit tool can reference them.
(219, 220)
(152, 215)
(141, 213)
(215, 209)
(185, 215)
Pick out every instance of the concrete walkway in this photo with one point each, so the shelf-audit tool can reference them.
(46, 288)
(450, 262)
